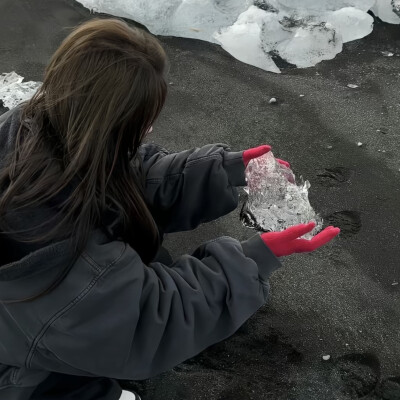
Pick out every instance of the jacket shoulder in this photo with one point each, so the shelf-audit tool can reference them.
(101, 252)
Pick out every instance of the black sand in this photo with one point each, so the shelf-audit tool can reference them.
(340, 301)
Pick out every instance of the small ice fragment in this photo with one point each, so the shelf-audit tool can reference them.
(326, 358)
(302, 95)
(330, 147)
(395, 283)
(13, 91)
(273, 100)
(387, 54)
(352, 86)
(359, 144)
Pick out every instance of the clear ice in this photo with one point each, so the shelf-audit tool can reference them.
(13, 91)
(275, 202)
(301, 32)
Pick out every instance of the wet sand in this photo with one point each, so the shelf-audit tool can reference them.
(341, 300)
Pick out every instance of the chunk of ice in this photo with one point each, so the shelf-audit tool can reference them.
(387, 10)
(302, 32)
(351, 23)
(275, 202)
(243, 39)
(197, 19)
(312, 6)
(13, 91)
(256, 34)
(311, 43)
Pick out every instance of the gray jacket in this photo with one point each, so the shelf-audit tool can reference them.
(112, 316)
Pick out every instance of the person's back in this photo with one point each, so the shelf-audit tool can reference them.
(85, 299)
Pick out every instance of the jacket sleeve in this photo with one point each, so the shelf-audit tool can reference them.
(188, 188)
(139, 321)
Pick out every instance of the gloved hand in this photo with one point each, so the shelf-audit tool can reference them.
(258, 152)
(287, 242)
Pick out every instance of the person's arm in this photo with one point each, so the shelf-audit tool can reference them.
(137, 321)
(188, 188)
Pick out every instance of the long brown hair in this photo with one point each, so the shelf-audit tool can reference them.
(102, 90)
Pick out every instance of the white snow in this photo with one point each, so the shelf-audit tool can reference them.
(14, 91)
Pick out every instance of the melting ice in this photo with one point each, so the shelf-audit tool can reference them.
(275, 202)
(13, 90)
(302, 32)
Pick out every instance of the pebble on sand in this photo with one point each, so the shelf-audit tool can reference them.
(352, 86)
(326, 358)
(273, 100)
(359, 144)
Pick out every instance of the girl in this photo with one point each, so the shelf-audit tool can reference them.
(84, 297)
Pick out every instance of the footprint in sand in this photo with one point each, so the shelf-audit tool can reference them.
(359, 374)
(389, 389)
(334, 176)
(349, 222)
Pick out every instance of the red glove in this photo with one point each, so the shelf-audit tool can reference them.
(258, 152)
(287, 242)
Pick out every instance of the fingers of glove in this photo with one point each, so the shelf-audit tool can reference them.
(255, 152)
(296, 231)
(303, 245)
(283, 162)
(260, 150)
(289, 234)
